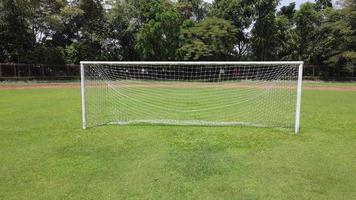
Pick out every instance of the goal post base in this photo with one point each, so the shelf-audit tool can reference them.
(186, 123)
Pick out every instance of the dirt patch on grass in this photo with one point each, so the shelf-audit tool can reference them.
(170, 85)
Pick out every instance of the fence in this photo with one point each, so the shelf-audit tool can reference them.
(25, 72)
(28, 72)
(323, 73)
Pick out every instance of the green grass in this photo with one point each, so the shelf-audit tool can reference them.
(44, 154)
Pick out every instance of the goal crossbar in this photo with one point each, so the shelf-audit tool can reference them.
(194, 63)
(254, 93)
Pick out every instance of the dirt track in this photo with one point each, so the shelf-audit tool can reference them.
(77, 85)
(39, 86)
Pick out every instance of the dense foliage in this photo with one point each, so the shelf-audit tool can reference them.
(67, 31)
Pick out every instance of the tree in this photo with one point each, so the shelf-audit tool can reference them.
(335, 38)
(323, 4)
(241, 14)
(79, 51)
(288, 11)
(349, 11)
(123, 27)
(308, 21)
(326, 37)
(339, 39)
(3, 50)
(264, 32)
(158, 39)
(68, 32)
(286, 38)
(15, 33)
(45, 18)
(211, 39)
(93, 29)
(192, 9)
(48, 55)
(142, 11)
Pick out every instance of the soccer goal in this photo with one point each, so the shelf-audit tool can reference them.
(264, 94)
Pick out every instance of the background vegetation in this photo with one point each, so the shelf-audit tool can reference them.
(65, 32)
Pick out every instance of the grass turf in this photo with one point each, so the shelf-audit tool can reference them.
(44, 154)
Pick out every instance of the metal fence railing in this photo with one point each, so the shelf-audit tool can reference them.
(18, 71)
(324, 73)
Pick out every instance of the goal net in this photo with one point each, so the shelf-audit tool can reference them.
(265, 94)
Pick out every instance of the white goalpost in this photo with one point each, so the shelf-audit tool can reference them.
(263, 94)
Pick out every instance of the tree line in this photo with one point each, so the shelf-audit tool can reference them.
(68, 31)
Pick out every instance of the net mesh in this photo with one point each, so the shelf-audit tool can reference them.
(191, 94)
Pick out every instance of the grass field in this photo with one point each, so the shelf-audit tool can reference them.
(44, 154)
